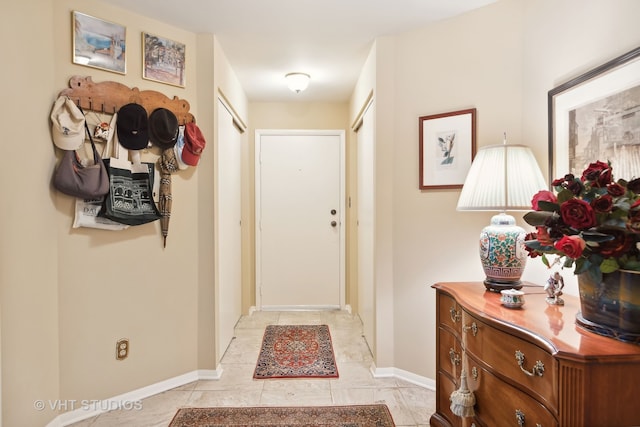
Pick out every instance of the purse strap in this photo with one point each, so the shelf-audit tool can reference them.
(96, 156)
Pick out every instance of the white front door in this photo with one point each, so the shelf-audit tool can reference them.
(299, 218)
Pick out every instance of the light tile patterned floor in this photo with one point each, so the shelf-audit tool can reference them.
(410, 405)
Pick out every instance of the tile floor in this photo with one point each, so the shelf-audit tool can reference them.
(410, 405)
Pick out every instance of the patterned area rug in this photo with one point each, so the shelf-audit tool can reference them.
(296, 351)
(325, 416)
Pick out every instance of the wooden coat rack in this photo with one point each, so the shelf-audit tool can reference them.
(107, 97)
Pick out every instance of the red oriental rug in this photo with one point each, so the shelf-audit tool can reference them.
(296, 351)
(377, 415)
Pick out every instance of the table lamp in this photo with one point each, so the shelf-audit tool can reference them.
(502, 177)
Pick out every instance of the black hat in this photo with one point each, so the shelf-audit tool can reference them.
(163, 128)
(132, 126)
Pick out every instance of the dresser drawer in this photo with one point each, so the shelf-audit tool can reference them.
(449, 353)
(499, 404)
(449, 313)
(519, 362)
(445, 387)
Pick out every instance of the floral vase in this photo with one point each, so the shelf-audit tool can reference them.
(611, 305)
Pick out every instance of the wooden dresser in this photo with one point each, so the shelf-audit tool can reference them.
(530, 366)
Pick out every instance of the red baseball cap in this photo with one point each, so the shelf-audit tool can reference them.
(194, 143)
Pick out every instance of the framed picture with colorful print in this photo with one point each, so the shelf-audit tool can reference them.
(447, 147)
(163, 60)
(596, 116)
(99, 44)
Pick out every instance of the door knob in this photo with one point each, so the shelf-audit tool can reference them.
(333, 223)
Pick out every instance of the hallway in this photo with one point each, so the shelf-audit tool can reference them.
(410, 405)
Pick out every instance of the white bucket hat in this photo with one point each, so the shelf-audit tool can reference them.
(67, 124)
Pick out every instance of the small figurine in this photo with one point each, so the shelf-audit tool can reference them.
(553, 288)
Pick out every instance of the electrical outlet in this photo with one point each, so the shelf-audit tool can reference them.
(122, 349)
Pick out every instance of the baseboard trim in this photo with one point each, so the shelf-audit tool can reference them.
(132, 398)
(401, 374)
(299, 307)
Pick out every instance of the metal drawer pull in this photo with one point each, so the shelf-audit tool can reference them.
(455, 315)
(455, 358)
(538, 368)
(473, 327)
(520, 418)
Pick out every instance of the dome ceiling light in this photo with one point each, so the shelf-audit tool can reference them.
(297, 82)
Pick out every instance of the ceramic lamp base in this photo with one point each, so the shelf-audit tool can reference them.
(502, 253)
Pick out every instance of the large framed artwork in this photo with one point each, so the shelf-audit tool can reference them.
(98, 43)
(447, 147)
(596, 116)
(163, 60)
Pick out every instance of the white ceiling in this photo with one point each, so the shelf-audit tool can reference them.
(328, 39)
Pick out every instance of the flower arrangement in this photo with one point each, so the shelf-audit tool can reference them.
(593, 223)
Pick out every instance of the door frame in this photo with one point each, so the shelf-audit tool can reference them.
(258, 207)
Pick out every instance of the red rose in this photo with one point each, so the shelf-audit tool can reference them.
(571, 246)
(616, 190)
(620, 245)
(559, 181)
(531, 252)
(575, 186)
(545, 195)
(602, 204)
(599, 173)
(543, 236)
(578, 214)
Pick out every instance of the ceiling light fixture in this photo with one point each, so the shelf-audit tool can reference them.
(297, 82)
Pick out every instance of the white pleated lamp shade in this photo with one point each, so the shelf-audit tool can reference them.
(502, 177)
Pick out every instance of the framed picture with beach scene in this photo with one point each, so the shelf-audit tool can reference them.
(98, 43)
(163, 60)
(447, 147)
